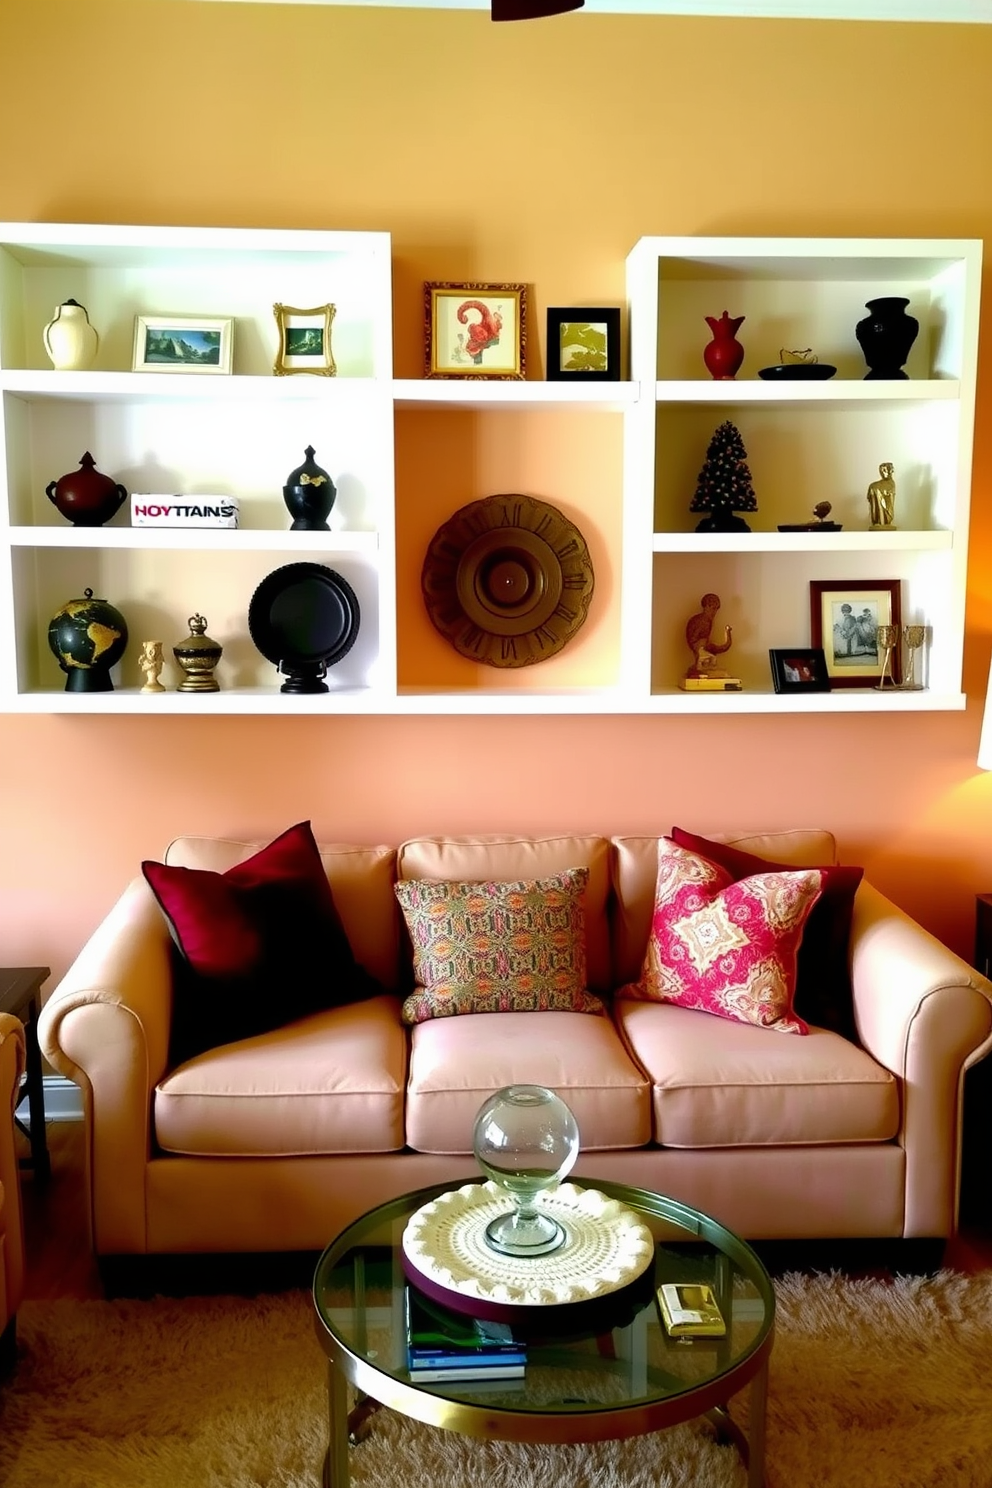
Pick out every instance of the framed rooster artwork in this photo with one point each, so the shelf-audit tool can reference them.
(475, 330)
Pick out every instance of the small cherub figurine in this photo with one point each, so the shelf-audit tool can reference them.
(151, 662)
(704, 649)
(882, 499)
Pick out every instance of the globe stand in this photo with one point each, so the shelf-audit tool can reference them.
(525, 1232)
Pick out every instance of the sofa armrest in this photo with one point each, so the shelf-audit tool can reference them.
(106, 1027)
(11, 1219)
(924, 1014)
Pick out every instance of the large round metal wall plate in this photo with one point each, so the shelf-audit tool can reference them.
(304, 614)
(507, 580)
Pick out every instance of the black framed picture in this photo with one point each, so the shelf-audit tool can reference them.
(800, 669)
(583, 345)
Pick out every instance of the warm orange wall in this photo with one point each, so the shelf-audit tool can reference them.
(539, 151)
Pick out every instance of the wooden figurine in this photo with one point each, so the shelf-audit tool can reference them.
(704, 674)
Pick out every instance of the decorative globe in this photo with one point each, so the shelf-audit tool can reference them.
(88, 636)
(525, 1140)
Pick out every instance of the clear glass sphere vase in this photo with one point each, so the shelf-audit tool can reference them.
(525, 1140)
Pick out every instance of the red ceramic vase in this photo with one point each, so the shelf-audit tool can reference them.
(724, 354)
(86, 497)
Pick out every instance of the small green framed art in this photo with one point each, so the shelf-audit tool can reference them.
(583, 345)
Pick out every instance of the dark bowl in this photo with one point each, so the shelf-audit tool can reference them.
(798, 372)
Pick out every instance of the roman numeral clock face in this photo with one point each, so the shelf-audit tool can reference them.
(507, 580)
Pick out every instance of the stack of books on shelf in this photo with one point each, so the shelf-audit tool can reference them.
(443, 1345)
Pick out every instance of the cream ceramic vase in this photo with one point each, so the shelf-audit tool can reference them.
(70, 340)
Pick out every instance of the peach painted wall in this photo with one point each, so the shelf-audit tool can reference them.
(539, 151)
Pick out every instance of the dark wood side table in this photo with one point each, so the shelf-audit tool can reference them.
(983, 934)
(20, 994)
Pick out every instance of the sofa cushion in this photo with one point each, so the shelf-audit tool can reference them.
(717, 1083)
(497, 947)
(509, 857)
(823, 983)
(634, 872)
(361, 880)
(725, 947)
(456, 1063)
(263, 941)
(329, 1083)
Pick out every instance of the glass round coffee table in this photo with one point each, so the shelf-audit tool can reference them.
(615, 1373)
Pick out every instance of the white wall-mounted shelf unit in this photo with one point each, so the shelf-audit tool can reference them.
(806, 442)
(240, 435)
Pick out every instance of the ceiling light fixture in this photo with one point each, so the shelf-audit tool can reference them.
(531, 10)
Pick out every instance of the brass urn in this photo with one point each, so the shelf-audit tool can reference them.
(198, 655)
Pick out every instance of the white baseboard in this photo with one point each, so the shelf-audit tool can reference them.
(63, 1101)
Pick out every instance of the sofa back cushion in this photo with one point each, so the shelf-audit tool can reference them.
(361, 880)
(635, 871)
(507, 858)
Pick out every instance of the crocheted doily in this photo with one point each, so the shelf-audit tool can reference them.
(606, 1247)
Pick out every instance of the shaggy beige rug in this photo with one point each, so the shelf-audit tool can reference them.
(873, 1385)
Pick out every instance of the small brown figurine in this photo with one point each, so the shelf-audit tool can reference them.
(705, 650)
(151, 662)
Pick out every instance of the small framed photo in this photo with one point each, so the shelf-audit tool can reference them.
(304, 340)
(845, 618)
(799, 670)
(583, 345)
(475, 330)
(190, 343)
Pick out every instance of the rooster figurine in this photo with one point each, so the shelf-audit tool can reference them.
(705, 650)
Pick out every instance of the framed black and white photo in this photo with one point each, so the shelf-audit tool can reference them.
(844, 619)
(304, 340)
(583, 345)
(182, 343)
(799, 669)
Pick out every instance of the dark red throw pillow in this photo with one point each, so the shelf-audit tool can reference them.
(823, 987)
(260, 945)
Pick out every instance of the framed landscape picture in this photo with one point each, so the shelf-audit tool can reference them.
(844, 619)
(173, 343)
(475, 330)
(583, 345)
(304, 340)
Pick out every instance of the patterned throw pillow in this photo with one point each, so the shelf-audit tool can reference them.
(726, 947)
(823, 987)
(497, 947)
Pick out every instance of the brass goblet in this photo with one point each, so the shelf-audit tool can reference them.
(888, 639)
(914, 637)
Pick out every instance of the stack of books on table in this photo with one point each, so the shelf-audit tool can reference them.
(443, 1345)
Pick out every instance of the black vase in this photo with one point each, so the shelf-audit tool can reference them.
(886, 335)
(309, 495)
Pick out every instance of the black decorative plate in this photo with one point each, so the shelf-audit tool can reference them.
(798, 372)
(507, 580)
(304, 618)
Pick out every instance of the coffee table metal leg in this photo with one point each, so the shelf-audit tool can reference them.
(756, 1428)
(336, 1461)
(751, 1447)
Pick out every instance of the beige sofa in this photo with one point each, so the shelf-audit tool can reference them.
(276, 1142)
(11, 1229)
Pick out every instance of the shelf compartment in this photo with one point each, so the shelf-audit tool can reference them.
(765, 598)
(157, 591)
(802, 454)
(121, 272)
(799, 293)
(222, 447)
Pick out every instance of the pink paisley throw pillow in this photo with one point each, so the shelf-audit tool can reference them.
(724, 947)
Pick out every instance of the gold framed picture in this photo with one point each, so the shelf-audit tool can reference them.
(475, 330)
(304, 340)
